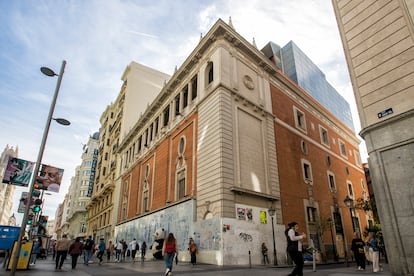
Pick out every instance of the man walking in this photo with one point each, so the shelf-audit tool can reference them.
(88, 250)
(101, 248)
(62, 247)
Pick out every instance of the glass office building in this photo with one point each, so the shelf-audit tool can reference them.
(294, 63)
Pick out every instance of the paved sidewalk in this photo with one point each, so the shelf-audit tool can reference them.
(47, 268)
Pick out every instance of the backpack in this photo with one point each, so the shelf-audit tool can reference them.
(88, 244)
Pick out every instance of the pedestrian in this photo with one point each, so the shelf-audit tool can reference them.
(75, 250)
(169, 250)
(118, 251)
(294, 248)
(36, 250)
(264, 253)
(192, 247)
(134, 246)
(357, 248)
(124, 249)
(373, 247)
(109, 251)
(53, 245)
(101, 250)
(143, 250)
(88, 250)
(62, 247)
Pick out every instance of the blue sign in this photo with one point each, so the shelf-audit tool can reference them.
(8, 234)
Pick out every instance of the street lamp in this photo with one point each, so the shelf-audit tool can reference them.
(349, 202)
(50, 73)
(271, 212)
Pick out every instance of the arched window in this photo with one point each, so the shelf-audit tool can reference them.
(209, 73)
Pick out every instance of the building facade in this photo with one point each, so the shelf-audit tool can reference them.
(141, 85)
(301, 69)
(378, 39)
(80, 189)
(226, 139)
(6, 190)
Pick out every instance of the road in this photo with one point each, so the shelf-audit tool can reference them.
(47, 267)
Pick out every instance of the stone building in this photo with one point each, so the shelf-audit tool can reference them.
(226, 139)
(378, 39)
(80, 189)
(141, 85)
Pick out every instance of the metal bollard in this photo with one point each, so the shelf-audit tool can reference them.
(314, 260)
(250, 260)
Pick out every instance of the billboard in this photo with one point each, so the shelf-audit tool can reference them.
(18, 172)
(49, 178)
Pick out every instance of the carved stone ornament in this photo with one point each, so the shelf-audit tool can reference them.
(248, 82)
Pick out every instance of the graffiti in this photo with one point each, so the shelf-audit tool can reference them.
(246, 237)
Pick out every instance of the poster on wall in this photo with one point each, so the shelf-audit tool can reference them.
(18, 172)
(49, 178)
(241, 213)
(263, 217)
(249, 214)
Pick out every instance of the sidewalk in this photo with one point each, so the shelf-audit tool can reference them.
(47, 268)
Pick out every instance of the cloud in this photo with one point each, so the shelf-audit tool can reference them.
(98, 39)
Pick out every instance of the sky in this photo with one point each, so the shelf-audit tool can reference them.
(98, 39)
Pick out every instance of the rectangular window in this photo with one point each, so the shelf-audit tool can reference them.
(177, 105)
(307, 171)
(194, 88)
(331, 181)
(300, 120)
(156, 126)
(151, 128)
(181, 188)
(185, 96)
(350, 190)
(342, 147)
(324, 136)
(139, 144)
(357, 156)
(166, 115)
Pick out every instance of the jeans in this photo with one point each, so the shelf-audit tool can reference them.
(74, 260)
(169, 258)
(87, 255)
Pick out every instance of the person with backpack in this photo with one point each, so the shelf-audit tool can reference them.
(294, 248)
(88, 250)
(134, 246)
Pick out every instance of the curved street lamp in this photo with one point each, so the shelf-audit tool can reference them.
(48, 72)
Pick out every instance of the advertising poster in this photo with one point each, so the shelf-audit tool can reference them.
(49, 178)
(18, 172)
(241, 213)
(24, 257)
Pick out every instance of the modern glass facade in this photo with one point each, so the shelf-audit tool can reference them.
(294, 63)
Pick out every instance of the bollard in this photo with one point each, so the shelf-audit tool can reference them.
(314, 260)
(250, 260)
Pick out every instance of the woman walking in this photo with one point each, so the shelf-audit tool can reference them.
(358, 250)
(169, 250)
(372, 243)
(192, 247)
(75, 250)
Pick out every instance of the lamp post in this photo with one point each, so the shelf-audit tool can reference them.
(271, 212)
(349, 202)
(50, 73)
